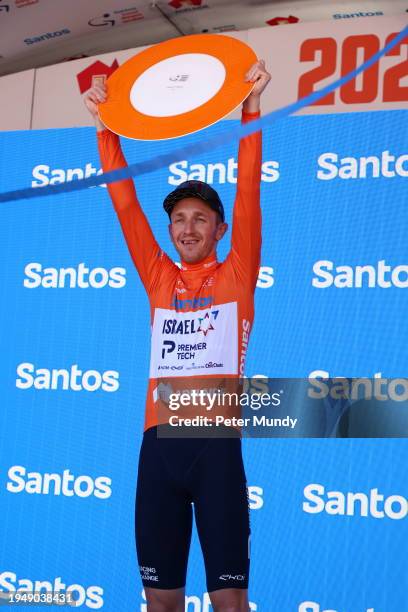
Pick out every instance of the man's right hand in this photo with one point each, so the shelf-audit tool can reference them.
(94, 96)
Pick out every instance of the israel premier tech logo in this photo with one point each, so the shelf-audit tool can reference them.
(202, 324)
(20, 480)
(80, 277)
(190, 326)
(62, 379)
(364, 504)
(181, 341)
(11, 586)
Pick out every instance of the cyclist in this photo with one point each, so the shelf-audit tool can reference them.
(201, 316)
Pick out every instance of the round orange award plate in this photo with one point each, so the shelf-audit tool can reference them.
(177, 87)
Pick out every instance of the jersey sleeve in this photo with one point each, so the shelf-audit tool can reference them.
(143, 248)
(247, 221)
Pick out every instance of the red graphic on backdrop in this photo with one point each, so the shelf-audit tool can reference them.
(180, 3)
(23, 3)
(98, 68)
(282, 20)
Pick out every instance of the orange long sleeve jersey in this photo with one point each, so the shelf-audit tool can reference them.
(201, 314)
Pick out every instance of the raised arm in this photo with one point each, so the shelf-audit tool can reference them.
(246, 224)
(143, 248)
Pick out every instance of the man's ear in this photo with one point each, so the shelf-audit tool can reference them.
(222, 228)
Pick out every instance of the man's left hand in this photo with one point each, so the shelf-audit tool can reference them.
(260, 76)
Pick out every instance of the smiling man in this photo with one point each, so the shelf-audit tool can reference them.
(194, 228)
(201, 319)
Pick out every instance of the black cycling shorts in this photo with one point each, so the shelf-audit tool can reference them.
(174, 476)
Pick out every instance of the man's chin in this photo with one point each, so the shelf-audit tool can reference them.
(190, 256)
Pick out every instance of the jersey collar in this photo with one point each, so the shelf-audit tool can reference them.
(205, 265)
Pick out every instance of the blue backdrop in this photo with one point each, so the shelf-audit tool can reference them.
(75, 352)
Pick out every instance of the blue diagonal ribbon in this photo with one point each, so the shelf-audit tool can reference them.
(235, 133)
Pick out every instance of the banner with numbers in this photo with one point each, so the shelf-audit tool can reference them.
(302, 57)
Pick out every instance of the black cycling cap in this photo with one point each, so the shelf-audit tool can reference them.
(194, 189)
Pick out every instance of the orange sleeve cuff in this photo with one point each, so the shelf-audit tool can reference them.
(250, 116)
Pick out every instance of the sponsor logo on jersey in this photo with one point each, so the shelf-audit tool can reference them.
(203, 340)
(246, 327)
(184, 351)
(202, 324)
(201, 302)
(205, 322)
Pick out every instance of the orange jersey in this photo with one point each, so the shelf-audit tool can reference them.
(201, 314)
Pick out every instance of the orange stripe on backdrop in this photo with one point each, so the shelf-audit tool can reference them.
(121, 117)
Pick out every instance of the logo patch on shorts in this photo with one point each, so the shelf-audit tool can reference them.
(148, 573)
(238, 577)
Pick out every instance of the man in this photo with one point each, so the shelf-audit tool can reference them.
(211, 303)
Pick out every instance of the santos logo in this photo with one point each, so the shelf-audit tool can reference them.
(382, 389)
(195, 603)
(265, 277)
(373, 504)
(81, 277)
(91, 596)
(255, 497)
(387, 166)
(45, 175)
(217, 173)
(312, 606)
(46, 36)
(348, 277)
(56, 484)
(73, 379)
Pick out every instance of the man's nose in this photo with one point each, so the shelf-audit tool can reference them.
(189, 226)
